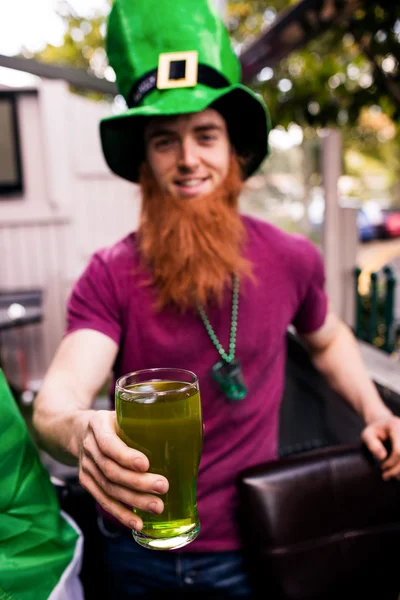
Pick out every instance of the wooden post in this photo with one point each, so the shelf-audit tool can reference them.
(340, 237)
(331, 240)
(54, 112)
(348, 258)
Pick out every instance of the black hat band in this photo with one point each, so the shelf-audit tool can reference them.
(148, 82)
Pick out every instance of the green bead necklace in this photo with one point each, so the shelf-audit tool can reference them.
(227, 372)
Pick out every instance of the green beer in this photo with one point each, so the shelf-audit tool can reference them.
(162, 419)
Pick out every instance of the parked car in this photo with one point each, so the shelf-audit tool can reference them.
(370, 218)
(390, 226)
(367, 230)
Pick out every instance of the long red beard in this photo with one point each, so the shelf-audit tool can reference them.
(192, 247)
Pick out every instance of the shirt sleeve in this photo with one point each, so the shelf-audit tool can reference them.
(93, 302)
(313, 307)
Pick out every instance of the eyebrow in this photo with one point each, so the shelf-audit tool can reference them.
(208, 127)
(159, 132)
(200, 128)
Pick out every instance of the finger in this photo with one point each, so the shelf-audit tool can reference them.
(139, 500)
(392, 463)
(394, 458)
(115, 473)
(103, 428)
(117, 510)
(393, 473)
(372, 437)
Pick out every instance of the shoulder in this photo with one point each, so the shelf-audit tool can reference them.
(106, 278)
(111, 263)
(107, 270)
(284, 246)
(116, 254)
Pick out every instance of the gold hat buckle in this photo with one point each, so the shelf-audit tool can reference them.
(166, 60)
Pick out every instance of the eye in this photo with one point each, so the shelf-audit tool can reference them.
(207, 138)
(163, 143)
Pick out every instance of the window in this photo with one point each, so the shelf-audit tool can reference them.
(10, 159)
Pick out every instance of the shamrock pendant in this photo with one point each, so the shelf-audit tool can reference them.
(229, 376)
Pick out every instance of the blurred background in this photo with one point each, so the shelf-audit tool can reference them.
(329, 73)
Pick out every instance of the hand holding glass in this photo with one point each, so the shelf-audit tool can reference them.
(159, 413)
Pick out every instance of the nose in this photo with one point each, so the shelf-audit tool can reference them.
(188, 157)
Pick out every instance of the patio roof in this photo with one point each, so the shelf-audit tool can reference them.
(293, 29)
(76, 77)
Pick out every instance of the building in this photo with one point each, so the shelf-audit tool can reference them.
(58, 203)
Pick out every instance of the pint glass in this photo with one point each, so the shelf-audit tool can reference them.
(159, 413)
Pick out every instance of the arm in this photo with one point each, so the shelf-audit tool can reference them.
(62, 408)
(335, 353)
(73, 432)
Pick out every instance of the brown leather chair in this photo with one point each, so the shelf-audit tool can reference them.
(322, 525)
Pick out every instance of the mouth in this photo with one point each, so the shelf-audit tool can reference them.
(191, 186)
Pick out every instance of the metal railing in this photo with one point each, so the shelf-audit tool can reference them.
(375, 320)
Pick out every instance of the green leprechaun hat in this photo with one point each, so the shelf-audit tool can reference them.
(175, 57)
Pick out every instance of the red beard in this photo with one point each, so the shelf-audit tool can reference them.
(192, 248)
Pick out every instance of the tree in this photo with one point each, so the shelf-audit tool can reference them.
(348, 78)
(336, 75)
(83, 45)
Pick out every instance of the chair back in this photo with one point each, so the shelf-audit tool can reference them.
(322, 524)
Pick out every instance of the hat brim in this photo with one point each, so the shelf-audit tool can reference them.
(246, 115)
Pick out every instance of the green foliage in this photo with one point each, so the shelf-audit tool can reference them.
(82, 40)
(372, 327)
(336, 78)
(83, 44)
(332, 79)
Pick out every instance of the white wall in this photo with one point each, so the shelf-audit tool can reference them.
(72, 205)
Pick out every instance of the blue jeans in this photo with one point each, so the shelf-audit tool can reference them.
(134, 571)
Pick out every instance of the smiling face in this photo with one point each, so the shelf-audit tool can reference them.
(189, 155)
(191, 248)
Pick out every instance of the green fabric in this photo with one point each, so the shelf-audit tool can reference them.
(36, 543)
(138, 32)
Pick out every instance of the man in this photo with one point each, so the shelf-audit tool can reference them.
(199, 287)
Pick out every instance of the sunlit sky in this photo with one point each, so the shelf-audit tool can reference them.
(33, 23)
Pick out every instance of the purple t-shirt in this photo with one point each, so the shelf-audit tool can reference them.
(109, 298)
